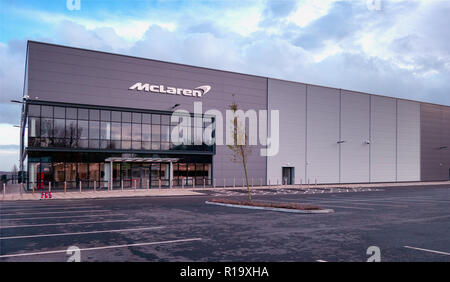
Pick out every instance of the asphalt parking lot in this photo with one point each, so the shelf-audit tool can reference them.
(406, 224)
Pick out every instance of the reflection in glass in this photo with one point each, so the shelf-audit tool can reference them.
(126, 131)
(83, 129)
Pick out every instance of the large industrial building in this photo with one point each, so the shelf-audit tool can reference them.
(94, 117)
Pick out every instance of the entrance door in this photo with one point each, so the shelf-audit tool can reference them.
(288, 175)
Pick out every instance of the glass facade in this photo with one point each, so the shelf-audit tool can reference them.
(83, 128)
(68, 170)
(69, 146)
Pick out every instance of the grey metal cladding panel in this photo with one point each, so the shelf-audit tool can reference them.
(355, 124)
(446, 141)
(383, 139)
(290, 99)
(93, 78)
(408, 141)
(431, 135)
(322, 134)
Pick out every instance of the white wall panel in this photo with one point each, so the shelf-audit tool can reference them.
(383, 139)
(355, 124)
(290, 99)
(323, 107)
(408, 141)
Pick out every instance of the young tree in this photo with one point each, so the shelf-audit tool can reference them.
(240, 147)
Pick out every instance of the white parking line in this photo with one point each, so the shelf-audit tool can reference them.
(68, 223)
(59, 217)
(81, 233)
(319, 260)
(21, 213)
(426, 250)
(105, 247)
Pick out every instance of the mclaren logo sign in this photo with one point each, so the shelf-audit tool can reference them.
(196, 92)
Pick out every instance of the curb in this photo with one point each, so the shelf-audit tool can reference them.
(272, 209)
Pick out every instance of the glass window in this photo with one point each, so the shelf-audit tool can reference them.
(165, 146)
(59, 112)
(58, 172)
(156, 119)
(71, 171)
(115, 144)
(146, 146)
(46, 127)
(83, 143)
(136, 145)
(136, 132)
(94, 115)
(146, 118)
(71, 113)
(34, 127)
(126, 131)
(156, 133)
(83, 114)
(115, 131)
(82, 171)
(59, 128)
(137, 117)
(126, 117)
(105, 130)
(146, 132)
(34, 110)
(126, 145)
(94, 129)
(71, 128)
(165, 119)
(93, 144)
(94, 172)
(165, 133)
(47, 111)
(104, 144)
(105, 115)
(83, 129)
(156, 145)
(116, 116)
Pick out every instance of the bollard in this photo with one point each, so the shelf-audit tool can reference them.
(182, 183)
(277, 181)
(204, 183)
(148, 184)
(135, 184)
(159, 183)
(234, 182)
(80, 186)
(243, 184)
(193, 182)
(95, 186)
(214, 183)
(121, 184)
(4, 190)
(224, 183)
(49, 186)
(260, 182)
(315, 182)
(65, 187)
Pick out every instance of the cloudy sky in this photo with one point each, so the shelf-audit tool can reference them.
(393, 48)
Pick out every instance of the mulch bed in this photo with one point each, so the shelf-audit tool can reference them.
(294, 206)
